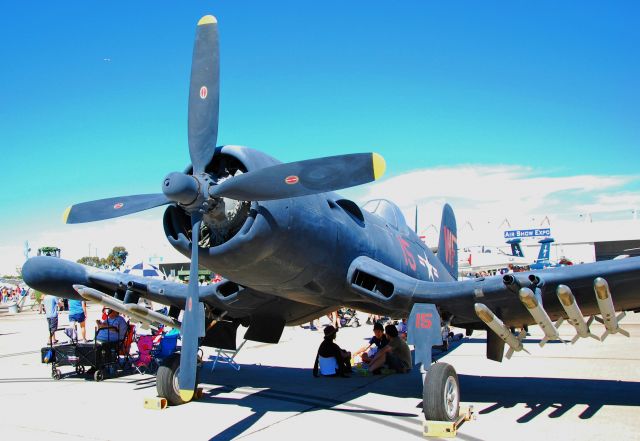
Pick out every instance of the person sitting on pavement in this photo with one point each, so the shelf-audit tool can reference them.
(396, 355)
(106, 332)
(329, 349)
(377, 342)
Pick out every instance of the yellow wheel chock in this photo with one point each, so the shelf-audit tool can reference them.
(447, 429)
(155, 403)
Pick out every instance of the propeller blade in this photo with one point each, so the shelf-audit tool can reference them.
(112, 207)
(204, 94)
(303, 178)
(190, 320)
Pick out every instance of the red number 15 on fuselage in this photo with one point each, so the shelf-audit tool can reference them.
(423, 321)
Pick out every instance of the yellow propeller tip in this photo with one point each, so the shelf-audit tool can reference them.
(65, 215)
(207, 19)
(186, 395)
(379, 166)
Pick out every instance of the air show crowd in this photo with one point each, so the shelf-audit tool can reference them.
(13, 293)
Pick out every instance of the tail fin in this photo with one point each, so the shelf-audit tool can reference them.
(448, 243)
(516, 248)
(545, 248)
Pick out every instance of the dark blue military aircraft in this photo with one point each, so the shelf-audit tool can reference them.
(291, 250)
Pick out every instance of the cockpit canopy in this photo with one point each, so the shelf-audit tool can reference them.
(386, 210)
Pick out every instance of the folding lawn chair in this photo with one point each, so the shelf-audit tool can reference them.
(227, 356)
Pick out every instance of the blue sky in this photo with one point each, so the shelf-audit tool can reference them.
(547, 85)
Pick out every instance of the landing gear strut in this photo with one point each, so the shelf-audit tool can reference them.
(167, 380)
(441, 393)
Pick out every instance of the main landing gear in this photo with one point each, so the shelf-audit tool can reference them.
(167, 380)
(441, 393)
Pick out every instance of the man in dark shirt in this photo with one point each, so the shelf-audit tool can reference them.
(396, 355)
(377, 342)
(329, 349)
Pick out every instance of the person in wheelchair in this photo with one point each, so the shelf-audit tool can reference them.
(110, 335)
(112, 329)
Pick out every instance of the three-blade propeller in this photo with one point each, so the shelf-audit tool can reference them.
(194, 192)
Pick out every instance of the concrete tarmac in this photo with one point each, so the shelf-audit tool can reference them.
(586, 391)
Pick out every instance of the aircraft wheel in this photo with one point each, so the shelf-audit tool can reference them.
(167, 380)
(441, 393)
(152, 369)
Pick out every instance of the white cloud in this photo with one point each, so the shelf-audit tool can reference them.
(496, 191)
(612, 202)
(483, 196)
(11, 257)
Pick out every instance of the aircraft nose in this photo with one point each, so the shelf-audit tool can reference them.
(52, 275)
(31, 274)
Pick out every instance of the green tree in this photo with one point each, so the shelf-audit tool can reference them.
(117, 258)
(93, 261)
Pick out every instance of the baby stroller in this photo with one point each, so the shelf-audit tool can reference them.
(152, 349)
(348, 317)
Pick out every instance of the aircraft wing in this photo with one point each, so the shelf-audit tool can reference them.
(67, 279)
(58, 277)
(397, 292)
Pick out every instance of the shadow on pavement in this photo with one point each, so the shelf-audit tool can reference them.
(540, 394)
(283, 389)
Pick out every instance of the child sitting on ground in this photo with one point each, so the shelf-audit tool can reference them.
(377, 342)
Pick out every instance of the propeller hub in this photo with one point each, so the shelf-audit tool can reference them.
(181, 188)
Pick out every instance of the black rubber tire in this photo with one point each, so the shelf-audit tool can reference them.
(356, 323)
(79, 369)
(167, 382)
(98, 375)
(153, 367)
(56, 374)
(441, 393)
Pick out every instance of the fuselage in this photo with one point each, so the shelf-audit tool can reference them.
(301, 248)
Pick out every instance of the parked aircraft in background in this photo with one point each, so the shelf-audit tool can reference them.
(491, 259)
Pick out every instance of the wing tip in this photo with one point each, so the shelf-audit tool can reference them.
(379, 165)
(65, 215)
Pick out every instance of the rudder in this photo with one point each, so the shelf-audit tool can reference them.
(516, 248)
(448, 243)
(545, 248)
